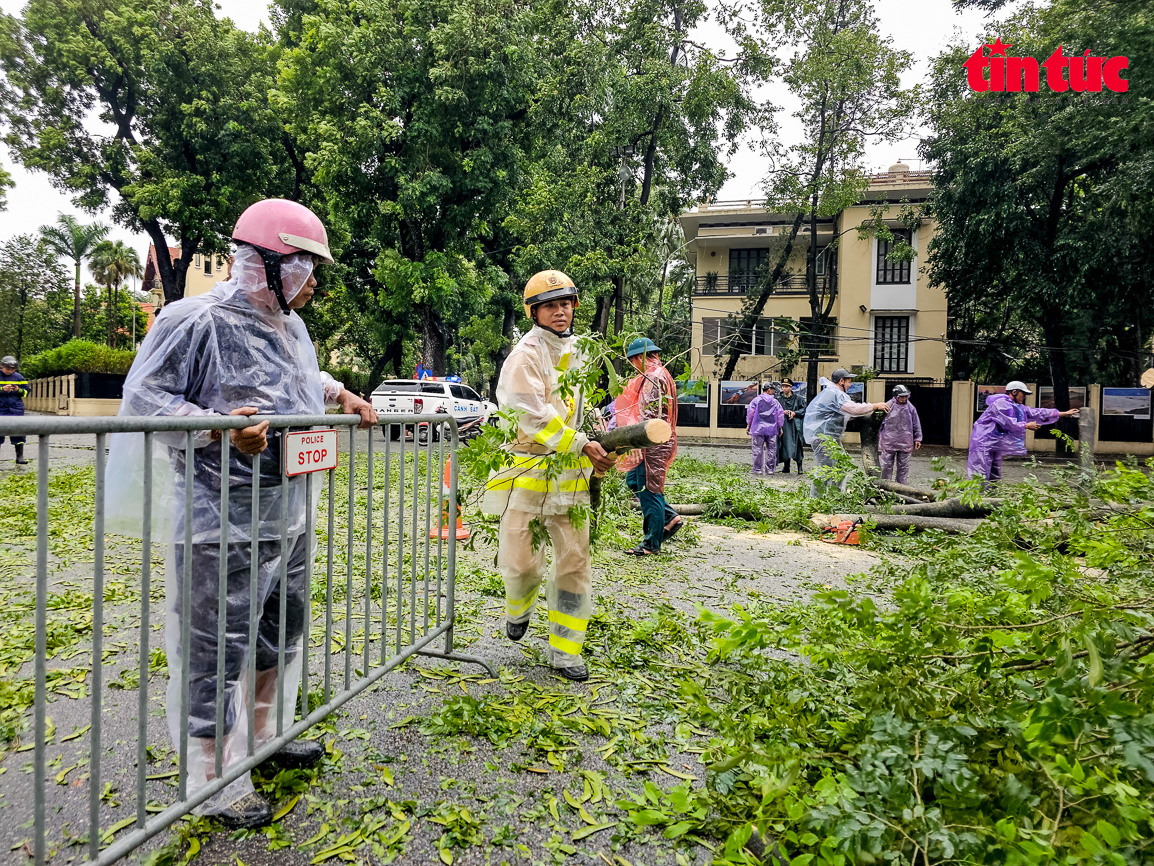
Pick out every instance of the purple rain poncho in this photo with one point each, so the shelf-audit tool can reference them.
(1000, 432)
(764, 416)
(901, 428)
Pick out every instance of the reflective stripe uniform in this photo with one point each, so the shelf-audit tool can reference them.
(12, 402)
(536, 487)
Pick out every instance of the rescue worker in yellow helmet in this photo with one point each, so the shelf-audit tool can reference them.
(547, 423)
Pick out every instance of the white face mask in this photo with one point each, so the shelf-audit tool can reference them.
(248, 275)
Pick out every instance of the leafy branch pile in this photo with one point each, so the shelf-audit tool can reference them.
(997, 708)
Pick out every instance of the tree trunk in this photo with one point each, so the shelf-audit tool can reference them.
(1053, 326)
(903, 489)
(948, 508)
(76, 318)
(901, 521)
(765, 289)
(601, 314)
(499, 359)
(172, 274)
(661, 302)
(20, 323)
(817, 319)
(619, 304)
(432, 339)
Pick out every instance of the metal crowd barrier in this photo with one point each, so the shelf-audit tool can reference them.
(414, 570)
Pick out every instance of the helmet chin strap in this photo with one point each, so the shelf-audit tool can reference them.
(272, 275)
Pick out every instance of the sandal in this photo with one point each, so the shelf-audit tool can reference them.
(641, 551)
(672, 531)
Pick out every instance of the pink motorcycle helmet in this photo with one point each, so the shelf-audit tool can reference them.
(276, 228)
(282, 226)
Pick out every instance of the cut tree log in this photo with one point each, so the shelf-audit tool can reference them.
(904, 489)
(697, 509)
(651, 432)
(643, 435)
(890, 522)
(948, 508)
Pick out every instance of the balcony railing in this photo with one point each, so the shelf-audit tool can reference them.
(740, 284)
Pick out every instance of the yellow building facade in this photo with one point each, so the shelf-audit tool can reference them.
(204, 272)
(885, 315)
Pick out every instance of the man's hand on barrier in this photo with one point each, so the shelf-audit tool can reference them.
(354, 405)
(249, 440)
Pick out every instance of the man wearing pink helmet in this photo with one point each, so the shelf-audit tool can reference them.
(240, 349)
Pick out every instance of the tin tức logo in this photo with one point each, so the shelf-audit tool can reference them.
(1080, 73)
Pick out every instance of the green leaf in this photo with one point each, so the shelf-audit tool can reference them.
(1094, 660)
(589, 831)
(1109, 833)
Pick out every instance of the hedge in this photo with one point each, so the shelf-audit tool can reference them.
(77, 356)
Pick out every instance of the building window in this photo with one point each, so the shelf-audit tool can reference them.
(196, 261)
(208, 265)
(821, 336)
(745, 265)
(721, 336)
(892, 344)
(821, 262)
(890, 272)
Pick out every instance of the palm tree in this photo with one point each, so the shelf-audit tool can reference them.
(111, 263)
(73, 240)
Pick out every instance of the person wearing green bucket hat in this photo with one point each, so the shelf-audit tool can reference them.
(652, 394)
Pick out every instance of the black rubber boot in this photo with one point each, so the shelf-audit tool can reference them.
(250, 811)
(516, 630)
(20, 454)
(578, 674)
(297, 755)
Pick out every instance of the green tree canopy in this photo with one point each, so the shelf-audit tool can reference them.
(185, 136)
(846, 75)
(1043, 203)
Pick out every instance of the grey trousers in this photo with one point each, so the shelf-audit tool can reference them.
(821, 457)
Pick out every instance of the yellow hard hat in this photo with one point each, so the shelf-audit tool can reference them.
(548, 286)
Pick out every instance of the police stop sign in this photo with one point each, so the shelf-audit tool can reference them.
(310, 451)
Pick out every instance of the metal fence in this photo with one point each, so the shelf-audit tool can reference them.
(397, 586)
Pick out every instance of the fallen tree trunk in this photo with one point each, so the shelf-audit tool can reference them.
(652, 432)
(696, 509)
(890, 522)
(948, 508)
(904, 489)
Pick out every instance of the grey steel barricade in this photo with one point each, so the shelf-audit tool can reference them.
(413, 566)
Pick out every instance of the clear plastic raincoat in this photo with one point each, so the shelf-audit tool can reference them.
(547, 423)
(827, 415)
(206, 356)
(1000, 432)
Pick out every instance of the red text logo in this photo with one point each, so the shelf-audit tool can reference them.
(1080, 73)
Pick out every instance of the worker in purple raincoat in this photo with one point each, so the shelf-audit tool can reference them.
(900, 435)
(764, 421)
(1000, 431)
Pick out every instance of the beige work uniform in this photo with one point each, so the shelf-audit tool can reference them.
(547, 424)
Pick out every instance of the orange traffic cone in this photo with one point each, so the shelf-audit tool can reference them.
(446, 526)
